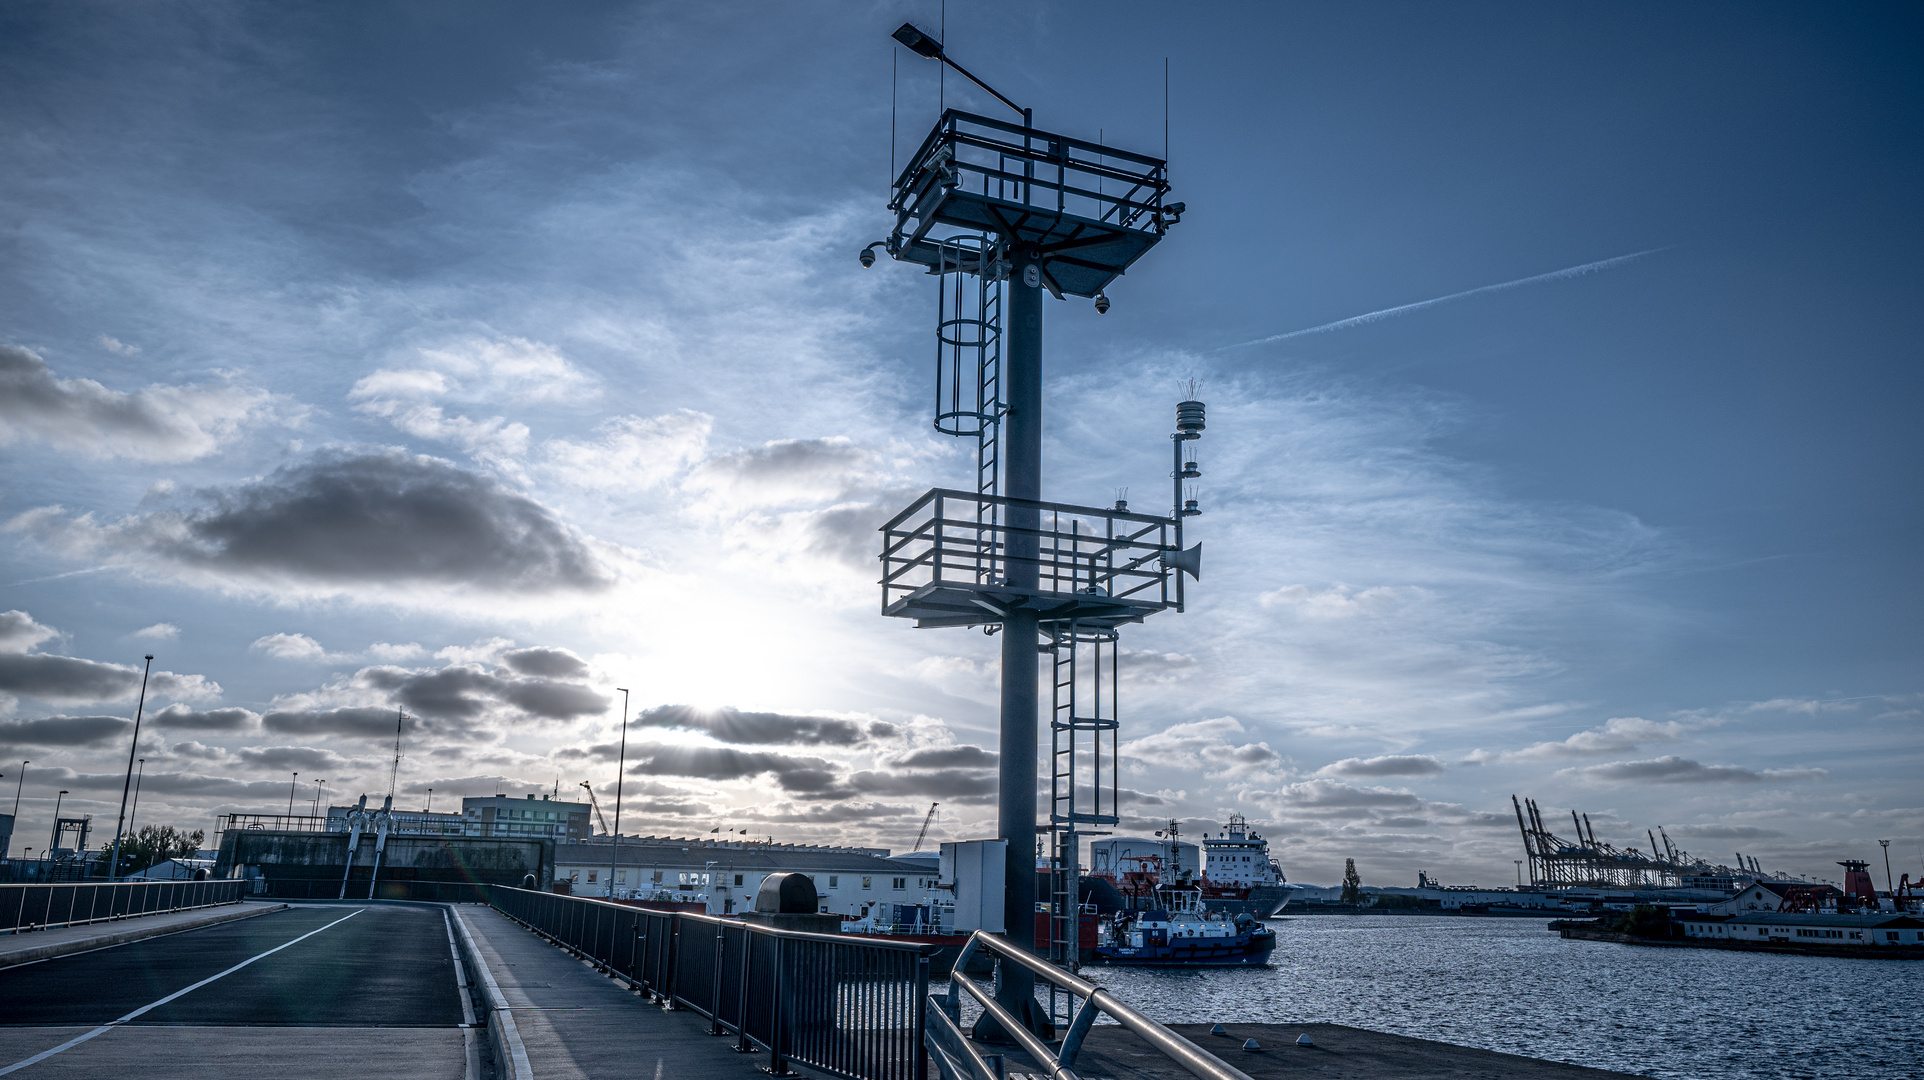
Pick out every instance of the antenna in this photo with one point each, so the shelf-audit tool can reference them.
(395, 772)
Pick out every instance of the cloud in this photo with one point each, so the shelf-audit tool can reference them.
(159, 424)
(1203, 745)
(763, 728)
(800, 775)
(946, 757)
(1387, 765)
(461, 692)
(182, 718)
(1671, 769)
(117, 347)
(291, 647)
(286, 758)
(19, 633)
(784, 471)
(1618, 735)
(351, 521)
(629, 453)
(1336, 602)
(390, 653)
(1725, 832)
(64, 730)
(160, 631)
(69, 679)
(475, 370)
(341, 720)
(551, 663)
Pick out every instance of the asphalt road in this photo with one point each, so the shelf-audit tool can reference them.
(386, 966)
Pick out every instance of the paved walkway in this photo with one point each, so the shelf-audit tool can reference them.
(60, 941)
(575, 1023)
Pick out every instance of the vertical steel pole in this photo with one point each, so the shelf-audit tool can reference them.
(1016, 800)
(113, 868)
(621, 766)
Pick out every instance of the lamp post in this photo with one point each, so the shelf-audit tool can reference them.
(16, 788)
(429, 809)
(56, 824)
(317, 798)
(290, 798)
(621, 766)
(1886, 845)
(134, 814)
(120, 823)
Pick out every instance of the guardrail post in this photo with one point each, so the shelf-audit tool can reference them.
(777, 1015)
(742, 1043)
(714, 1007)
(670, 957)
(919, 1042)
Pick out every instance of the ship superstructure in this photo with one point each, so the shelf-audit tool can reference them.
(1239, 876)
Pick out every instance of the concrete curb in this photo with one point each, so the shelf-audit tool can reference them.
(135, 933)
(510, 1057)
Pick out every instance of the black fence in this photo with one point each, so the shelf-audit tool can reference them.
(25, 907)
(849, 1007)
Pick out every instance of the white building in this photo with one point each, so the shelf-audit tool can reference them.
(724, 875)
(528, 817)
(1805, 929)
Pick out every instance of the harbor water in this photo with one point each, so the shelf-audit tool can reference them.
(1511, 985)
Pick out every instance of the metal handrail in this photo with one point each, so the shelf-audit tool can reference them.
(1095, 1000)
(45, 905)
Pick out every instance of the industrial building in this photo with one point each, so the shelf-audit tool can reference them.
(537, 817)
(723, 876)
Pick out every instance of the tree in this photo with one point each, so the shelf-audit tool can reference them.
(1352, 883)
(157, 843)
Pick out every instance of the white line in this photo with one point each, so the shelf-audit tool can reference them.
(111, 1024)
(1373, 316)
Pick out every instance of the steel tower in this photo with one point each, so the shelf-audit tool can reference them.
(1001, 214)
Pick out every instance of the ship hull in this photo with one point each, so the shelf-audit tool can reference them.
(1253, 952)
(1262, 901)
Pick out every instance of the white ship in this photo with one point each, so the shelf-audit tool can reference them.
(1238, 874)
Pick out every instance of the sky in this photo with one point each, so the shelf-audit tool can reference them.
(476, 362)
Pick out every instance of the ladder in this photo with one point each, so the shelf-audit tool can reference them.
(968, 372)
(1082, 771)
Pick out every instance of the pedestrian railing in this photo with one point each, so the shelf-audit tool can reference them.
(850, 1007)
(957, 1057)
(38, 907)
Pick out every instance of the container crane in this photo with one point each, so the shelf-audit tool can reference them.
(924, 834)
(592, 801)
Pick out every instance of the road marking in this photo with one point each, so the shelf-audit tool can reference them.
(111, 1024)
(460, 974)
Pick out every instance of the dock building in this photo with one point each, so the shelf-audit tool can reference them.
(723, 876)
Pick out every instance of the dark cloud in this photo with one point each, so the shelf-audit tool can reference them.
(466, 691)
(65, 678)
(1336, 795)
(344, 720)
(159, 423)
(1726, 832)
(798, 775)
(64, 730)
(550, 663)
(946, 757)
(285, 758)
(19, 633)
(953, 784)
(1671, 769)
(182, 718)
(356, 519)
(1387, 765)
(762, 729)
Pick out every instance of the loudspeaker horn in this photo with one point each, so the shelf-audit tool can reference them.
(1189, 562)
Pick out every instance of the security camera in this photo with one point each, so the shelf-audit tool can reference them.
(1102, 304)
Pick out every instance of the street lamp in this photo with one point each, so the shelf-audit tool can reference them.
(290, 798)
(56, 824)
(1886, 845)
(621, 766)
(120, 823)
(134, 814)
(317, 797)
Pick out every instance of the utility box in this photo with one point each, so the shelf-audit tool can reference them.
(977, 870)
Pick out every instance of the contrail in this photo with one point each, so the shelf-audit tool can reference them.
(1374, 316)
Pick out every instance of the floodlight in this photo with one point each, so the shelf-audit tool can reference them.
(917, 42)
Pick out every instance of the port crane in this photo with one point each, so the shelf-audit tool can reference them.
(592, 801)
(924, 834)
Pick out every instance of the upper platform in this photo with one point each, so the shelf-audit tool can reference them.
(954, 558)
(1091, 210)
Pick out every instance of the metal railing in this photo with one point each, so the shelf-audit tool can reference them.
(848, 1007)
(39, 907)
(1091, 553)
(958, 1059)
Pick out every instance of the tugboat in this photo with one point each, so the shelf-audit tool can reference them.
(1183, 933)
(1239, 877)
